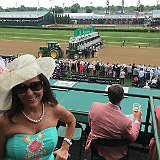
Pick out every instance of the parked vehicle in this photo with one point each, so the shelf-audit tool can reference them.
(53, 50)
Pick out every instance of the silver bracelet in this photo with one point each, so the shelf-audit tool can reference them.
(68, 141)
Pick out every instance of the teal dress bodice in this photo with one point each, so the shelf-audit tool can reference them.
(32, 147)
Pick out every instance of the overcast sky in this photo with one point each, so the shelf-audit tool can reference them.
(61, 3)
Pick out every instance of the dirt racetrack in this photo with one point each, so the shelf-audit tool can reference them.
(121, 55)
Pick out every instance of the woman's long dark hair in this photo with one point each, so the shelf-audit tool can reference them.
(17, 105)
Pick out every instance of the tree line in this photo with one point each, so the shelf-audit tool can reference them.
(76, 8)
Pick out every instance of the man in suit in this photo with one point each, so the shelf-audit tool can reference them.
(107, 121)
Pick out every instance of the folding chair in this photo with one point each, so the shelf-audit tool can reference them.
(142, 142)
(108, 143)
(79, 133)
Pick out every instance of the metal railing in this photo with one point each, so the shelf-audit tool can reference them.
(156, 132)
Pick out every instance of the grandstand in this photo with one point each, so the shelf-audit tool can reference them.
(26, 18)
(39, 18)
(116, 19)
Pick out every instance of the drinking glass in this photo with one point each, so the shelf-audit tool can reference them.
(136, 106)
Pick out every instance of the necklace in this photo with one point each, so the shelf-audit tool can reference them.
(33, 120)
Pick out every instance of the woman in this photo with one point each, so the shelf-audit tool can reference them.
(28, 127)
(122, 76)
(81, 68)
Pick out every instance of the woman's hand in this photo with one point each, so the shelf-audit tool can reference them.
(61, 154)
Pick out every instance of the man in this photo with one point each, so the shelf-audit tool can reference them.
(129, 71)
(141, 74)
(146, 86)
(90, 67)
(107, 121)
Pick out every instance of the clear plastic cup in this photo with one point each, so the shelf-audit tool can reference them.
(136, 106)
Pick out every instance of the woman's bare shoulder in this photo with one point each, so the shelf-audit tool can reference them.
(3, 120)
(3, 116)
(56, 109)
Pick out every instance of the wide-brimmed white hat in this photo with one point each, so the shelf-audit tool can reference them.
(20, 70)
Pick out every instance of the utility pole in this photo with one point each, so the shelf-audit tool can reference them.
(122, 11)
(107, 7)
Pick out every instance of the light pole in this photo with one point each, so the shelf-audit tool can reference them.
(63, 5)
(107, 7)
(139, 5)
(54, 11)
(16, 3)
(38, 5)
(122, 11)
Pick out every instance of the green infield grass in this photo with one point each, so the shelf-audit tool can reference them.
(62, 36)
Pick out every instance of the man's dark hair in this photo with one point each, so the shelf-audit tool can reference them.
(115, 93)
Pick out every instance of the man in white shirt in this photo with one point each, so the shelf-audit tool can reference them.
(129, 71)
(90, 67)
(141, 74)
(146, 86)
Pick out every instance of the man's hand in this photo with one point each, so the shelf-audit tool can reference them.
(137, 114)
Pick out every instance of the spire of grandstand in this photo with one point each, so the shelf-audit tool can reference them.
(157, 2)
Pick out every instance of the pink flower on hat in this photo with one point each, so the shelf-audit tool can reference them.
(4, 72)
(1, 70)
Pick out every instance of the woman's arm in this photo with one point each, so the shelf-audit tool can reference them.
(2, 146)
(2, 139)
(68, 118)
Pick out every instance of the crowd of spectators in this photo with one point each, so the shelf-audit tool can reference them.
(140, 74)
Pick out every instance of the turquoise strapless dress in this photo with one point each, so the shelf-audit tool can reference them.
(32, 147)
